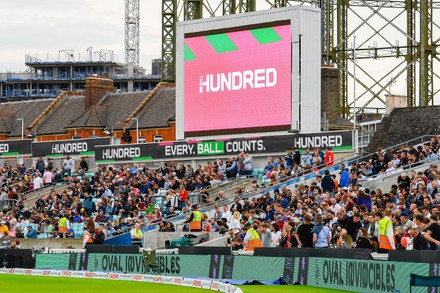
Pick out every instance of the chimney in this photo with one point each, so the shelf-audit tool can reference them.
(394, 101)
(96, 88)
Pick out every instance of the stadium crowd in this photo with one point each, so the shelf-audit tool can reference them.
(333, 211)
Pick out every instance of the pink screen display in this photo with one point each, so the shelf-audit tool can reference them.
(238, 80)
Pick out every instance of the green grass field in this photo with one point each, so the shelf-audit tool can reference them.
(37, 284)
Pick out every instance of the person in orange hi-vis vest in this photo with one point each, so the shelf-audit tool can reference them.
(252, 238)
(195, 219)
(386, 232)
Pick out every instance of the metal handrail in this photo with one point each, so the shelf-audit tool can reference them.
(397, 172)
(284, 182)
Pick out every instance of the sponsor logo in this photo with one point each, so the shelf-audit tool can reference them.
(196, 283)
(113, 276)
(4, 148)
(237, 80)
(66, 273)
(121, 153)
(71, 147)
(137, 277)
(90, 275)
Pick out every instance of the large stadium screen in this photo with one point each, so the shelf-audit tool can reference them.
(238, 81)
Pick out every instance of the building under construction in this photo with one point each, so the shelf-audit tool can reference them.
(47, 76)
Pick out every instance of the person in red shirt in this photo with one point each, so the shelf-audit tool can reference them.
(329, 157)
(183, 194)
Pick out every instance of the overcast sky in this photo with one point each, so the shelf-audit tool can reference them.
(44, 27)
(47, 26)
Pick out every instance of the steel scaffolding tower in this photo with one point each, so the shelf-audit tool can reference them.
(132, 32)
(397, 41)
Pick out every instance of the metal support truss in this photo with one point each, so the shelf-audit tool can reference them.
(169, 19)
(386, 38)
(229, 7)
(341, 55)
(132, 32)
(193, 9)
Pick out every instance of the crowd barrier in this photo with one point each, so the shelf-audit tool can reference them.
(337, 269)
(188, 282)
(328, 268)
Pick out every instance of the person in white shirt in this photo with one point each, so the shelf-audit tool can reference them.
(68, 165)
(390, 170)
(38, 182)
(335, 207)
(226, 214)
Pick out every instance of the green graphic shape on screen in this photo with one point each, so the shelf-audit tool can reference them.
(265, 35)
(221, 43)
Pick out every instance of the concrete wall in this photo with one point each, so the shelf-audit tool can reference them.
(57, 243)
(157, 239)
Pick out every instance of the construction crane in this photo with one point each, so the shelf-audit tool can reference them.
(132, 33)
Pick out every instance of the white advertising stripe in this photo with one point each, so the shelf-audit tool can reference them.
(206, 284)
(148, 278)
(189, 282)
(126, 277)
(167, 280)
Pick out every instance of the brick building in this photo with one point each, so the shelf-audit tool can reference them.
(98, 113)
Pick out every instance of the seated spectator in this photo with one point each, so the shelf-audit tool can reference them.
(31, 232)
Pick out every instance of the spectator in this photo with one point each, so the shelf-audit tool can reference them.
(304, 232)
(38, 182)
(321, 234)
(344, 177)
(136, 234)
(31, 232)
(433, 233)
(329, 157)
(252, 238)
(419, 242)
(195, 219)
(363, 240)
(99, 236)
(40, 165)
(68, 165)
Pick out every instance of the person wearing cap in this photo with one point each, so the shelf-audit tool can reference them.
(404, 218)
(252, 238)
(195, 219)
(31, 232)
